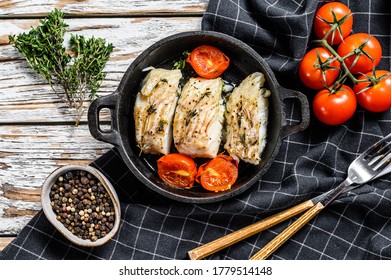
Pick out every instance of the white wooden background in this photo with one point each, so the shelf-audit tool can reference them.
(36, 129)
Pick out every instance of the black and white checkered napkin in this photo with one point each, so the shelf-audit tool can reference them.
(355, 226)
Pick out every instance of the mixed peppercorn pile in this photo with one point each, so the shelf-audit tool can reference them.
(83, 205)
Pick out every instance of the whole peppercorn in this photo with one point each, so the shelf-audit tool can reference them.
(68, 175)
(84, 180)
(82, 204)
(67, 187)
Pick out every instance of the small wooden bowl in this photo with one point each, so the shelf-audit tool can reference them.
(51, 215)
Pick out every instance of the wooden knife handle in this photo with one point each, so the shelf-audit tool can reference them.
(236, 236)
(280, 239)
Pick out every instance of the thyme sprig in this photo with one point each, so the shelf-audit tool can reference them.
(74, 74)
(181, 62)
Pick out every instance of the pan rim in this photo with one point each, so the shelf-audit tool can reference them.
(217, 196)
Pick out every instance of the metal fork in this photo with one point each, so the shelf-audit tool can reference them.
(362, 170)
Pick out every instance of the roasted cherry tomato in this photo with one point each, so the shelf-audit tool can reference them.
(375, 97)
(335, 108)
(208, 62)
(324, 18)
(310, 70)
(363, 64)
(219, 174)
(177, 170)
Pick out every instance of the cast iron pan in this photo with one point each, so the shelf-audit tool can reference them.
(244, 61)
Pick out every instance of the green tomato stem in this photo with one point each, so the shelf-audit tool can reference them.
(346, 70)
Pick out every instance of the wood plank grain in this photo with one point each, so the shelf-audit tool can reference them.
(18, 193)
(27, 98)
(29, 152)
(28, 155)
(13, 225)
(4, 241)
(99, 8)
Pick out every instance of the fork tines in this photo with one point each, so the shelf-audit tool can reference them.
(379, 153)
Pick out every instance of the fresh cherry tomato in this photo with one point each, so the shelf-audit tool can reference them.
(335, 108)
(177, 170)
(324, 18)
(374, 97)
(364, 64)
(310, 70)
(219, 174)
(208, 62)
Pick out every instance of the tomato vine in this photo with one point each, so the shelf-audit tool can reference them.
(348, 55)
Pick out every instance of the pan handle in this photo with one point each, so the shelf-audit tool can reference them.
(304, 109)
(110, 102)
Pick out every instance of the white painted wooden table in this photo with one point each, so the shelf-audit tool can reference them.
(36, 129)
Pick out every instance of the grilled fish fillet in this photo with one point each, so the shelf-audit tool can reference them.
(247, 117)
(154, 110)
(199, 118)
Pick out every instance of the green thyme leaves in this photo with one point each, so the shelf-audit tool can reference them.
(74, 74)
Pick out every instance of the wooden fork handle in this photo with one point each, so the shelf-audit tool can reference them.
(280, 239)
(236, 236)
